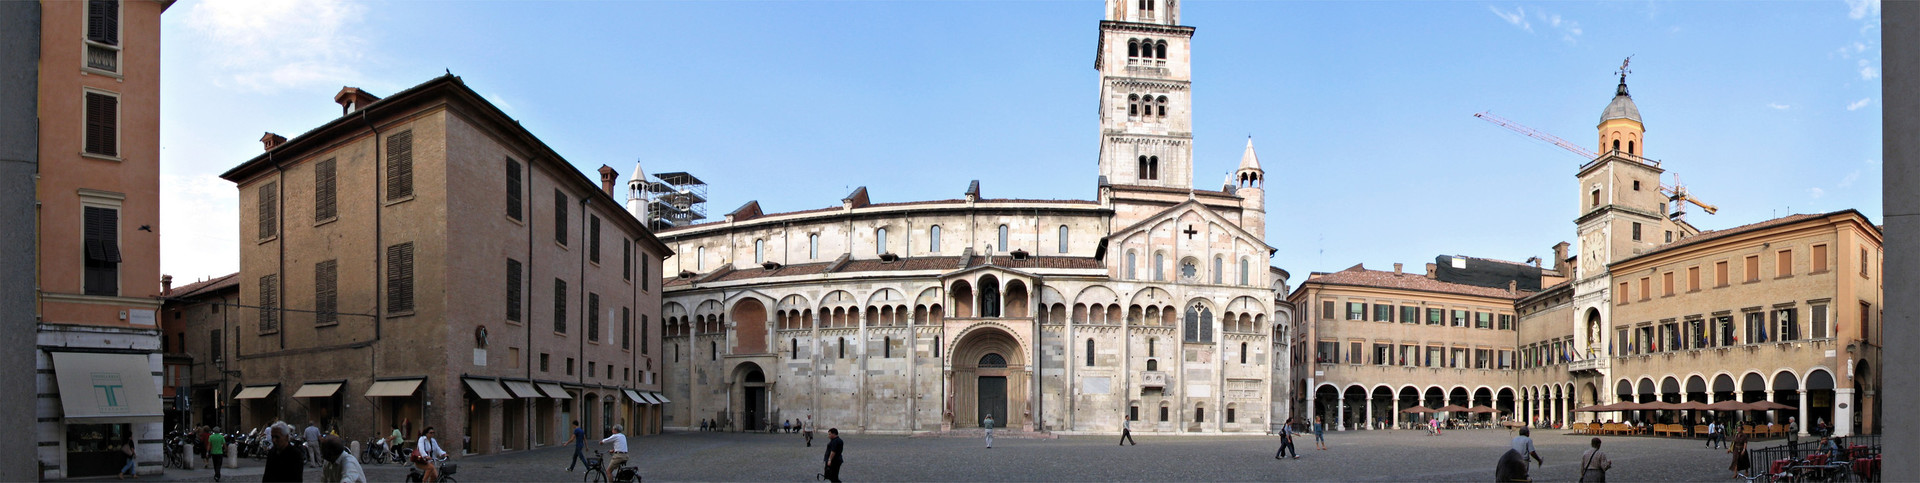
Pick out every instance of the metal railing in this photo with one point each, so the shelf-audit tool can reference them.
(1780, 461)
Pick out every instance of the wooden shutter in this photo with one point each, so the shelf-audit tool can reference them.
(269, 316)
(645, 268)
(593, 243)
(103, 111)
(643, 333)
(593, 316)
(103, 21)
(324, 200)
(325, 296)
(513, 189)
(560, 217)
(400, 165)
(626, 259)
(400, 277)
(626, 328)
(101, 240)
(513, 290)
(269, 210)
(560, 306)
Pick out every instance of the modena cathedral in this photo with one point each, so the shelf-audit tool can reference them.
(1155, 303)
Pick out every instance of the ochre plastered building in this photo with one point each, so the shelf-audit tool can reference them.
(1153, 302)
(423, 260)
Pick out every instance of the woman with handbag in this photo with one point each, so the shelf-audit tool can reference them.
(425, 452)
(1594, 464)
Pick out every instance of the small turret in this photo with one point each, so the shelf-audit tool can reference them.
(1250, 181)
(637, 194)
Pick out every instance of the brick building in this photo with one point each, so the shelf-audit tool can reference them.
(423, 260)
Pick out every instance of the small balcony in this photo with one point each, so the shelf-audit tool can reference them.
(1595, 365)
(1153, 379)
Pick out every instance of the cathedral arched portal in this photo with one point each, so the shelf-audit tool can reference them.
(989, 377)
(750, 397)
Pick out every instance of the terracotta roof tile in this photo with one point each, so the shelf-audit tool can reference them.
(915, 263)
(1358, 276)
(1714, 234)
(207, 286)
(1008, 261)
(783, 271)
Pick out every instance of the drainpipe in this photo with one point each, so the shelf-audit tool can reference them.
(379, 283)
(526, 316)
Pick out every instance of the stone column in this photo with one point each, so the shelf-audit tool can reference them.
(1340, 412)
(1368, 420)
(1843, 407)
(1804, 422)
(1393, 417)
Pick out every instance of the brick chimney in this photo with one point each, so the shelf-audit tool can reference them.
(1396, 269)
(1513, 286)
(1432, 270)
(1560, 258)
(608, 177)
(271, 140)
(166, 285)
(353, 99)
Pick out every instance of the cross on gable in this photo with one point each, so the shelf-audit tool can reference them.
(1190, 232)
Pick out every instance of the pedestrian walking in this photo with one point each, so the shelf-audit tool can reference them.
(1739, 451)
(1286, 441)
(312, 440)
(1793, 438)
(217, 449)
(836, 449)
(1524, 444)
(341, 466)
(1126, 432)
(126, 448)
(807, 429)
(988, 423)
(1320, 432)
(1594, 465)
(579, 440)
(283, 461)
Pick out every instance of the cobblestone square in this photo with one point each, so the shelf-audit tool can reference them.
(1464, 455)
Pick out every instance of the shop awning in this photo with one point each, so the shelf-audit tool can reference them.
(98, 386)
(649, 397)
(317, 390)
(554, 391)
(487, 389)
(522, 389)
(256, 392)
(661, 397)
(398, 388)
(635, 396)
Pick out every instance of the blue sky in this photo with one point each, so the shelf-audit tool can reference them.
(1362, 111)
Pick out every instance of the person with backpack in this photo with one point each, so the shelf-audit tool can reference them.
(1594, 464)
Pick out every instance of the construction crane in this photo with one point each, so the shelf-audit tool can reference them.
(1537, 134)
(1678, 193)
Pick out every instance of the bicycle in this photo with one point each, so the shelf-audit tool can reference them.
(596, 473)
(445, 468)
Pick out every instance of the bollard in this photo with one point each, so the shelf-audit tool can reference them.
(233, 456)
(353, 448)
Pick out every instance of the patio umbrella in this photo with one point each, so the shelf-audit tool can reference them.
(1768, 405)
(1416, 410)
(1451, 409)
(1729, 405)
(1484, 409)
(1659, 406)
(1597, 408)
(1693, 405)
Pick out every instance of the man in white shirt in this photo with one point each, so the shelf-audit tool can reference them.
(617, 457)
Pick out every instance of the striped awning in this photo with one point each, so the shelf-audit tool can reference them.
(522, 389)
(635, 396)
(661, 397)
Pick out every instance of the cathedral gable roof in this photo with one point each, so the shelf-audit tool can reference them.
(1173, 212)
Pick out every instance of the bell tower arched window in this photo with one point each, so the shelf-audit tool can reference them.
(1161, 103)
(1616, 145)
(1133, 105)
(1153, 167)
(1160, 49)
(1133, 48)
(1629, 147)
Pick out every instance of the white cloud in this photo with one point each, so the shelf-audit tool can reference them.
(199, 223)
(1866, 70)
(266, 46)
(1816, 192)
(1860, 9)
(1851, 177)
(1778, 106)
(1518, 17)
(1856, 105)
(501, 102)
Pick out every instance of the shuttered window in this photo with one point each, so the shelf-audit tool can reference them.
(269, 210)
(626, 259)
(103, 124)
(400, 165)
(645, 269)
(513, 290)
(216, 346)
(643, 333)
(560, 217)
(269, 313)
(103, 21)
(593, 316)
(326, 297)
(560, 306)
(325, 206)
(400, 277)
(102, 243)
(593, 241)
(513, 189)
(626, 328)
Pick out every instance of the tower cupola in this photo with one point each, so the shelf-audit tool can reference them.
(1620, 127)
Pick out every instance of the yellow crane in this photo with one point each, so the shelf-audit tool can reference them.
(1676, 192)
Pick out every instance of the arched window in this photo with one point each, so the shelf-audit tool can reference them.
(1133, 105)
(1243, 354)
(759, 251)
(989, 298)
(936, 347)
(813, 247)
(886, 347)
(992, 361)
(843, 347)
(1616, 145)
(700, 259)
(1159, 274)
(1629, 147)
(1218, 272)
(1199, 326)
(1150, 342)
(1153, 167)
(1160, 50)
(1003, 239)
(1199, 413)
(933, 239)
(1063, 239)
(1133, 48)
(1153, 365)
(880, 240)
(713, 351)
(1131, 273)
(1245, 273)
(1142, 173)
(793, 348)
(1150, 4)
(1089, 352)
(1162, 103)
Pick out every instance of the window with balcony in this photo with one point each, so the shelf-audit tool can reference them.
(1356, 311)
(103, 35)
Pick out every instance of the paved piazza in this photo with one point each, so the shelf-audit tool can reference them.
(1466, 455)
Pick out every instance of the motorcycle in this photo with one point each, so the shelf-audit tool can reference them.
(414, 475)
